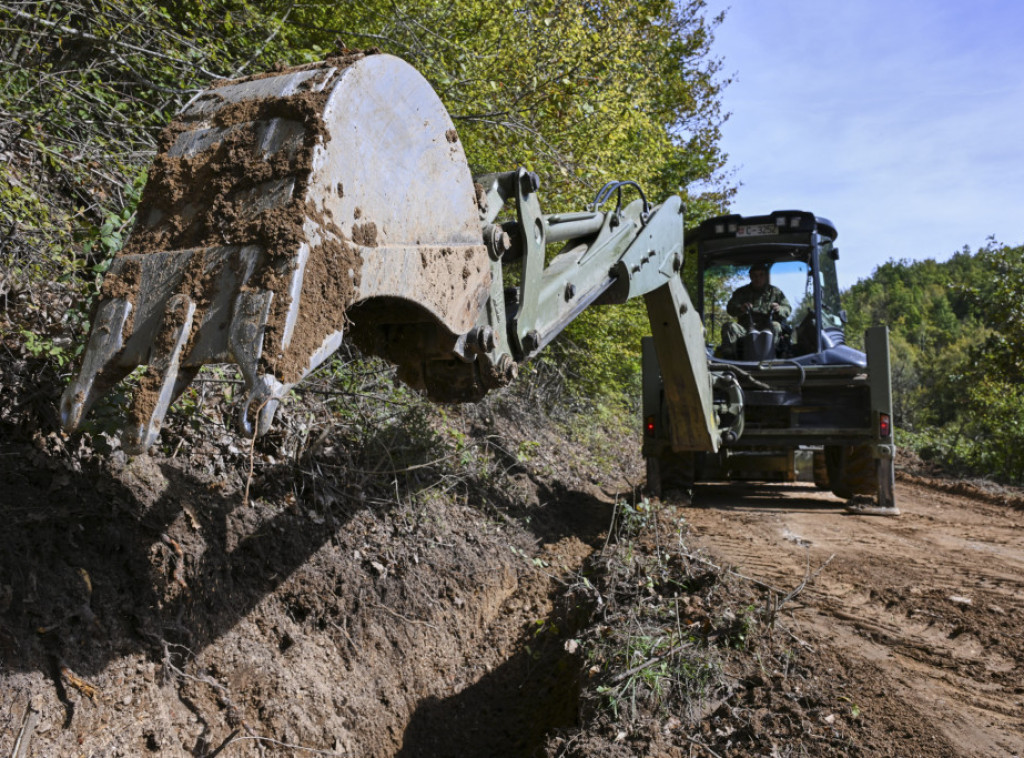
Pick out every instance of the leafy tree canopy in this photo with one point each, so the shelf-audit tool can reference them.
(581, 92)
(958, 366)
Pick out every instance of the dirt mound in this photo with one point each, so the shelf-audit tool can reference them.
(690, 656)
(362, 597)
(912, 469)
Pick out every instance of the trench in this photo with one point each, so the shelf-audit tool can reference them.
(533, 690)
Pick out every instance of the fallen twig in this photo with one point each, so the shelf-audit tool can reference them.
(179, 564)
(278, 743)
(252, 453)
(700, 744)
(28, 726)
(227, 741)
(776, 603)
(795, 638)
(396, 614)
(81, 685)
(807, 577)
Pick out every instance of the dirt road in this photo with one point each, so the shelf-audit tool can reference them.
(924, 614)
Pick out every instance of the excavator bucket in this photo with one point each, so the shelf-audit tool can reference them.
(283, 211)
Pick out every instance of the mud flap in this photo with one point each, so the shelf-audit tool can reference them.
(883, 503)
(886, 482)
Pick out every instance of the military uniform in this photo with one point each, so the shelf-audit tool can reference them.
(761, 301)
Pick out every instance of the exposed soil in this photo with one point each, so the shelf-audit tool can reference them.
(170, 605)
(448, 586)
(917, 621)
(132, 625)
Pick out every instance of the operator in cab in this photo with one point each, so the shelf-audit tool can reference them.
(759, 305)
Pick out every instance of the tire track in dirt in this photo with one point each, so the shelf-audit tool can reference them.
(932, 603)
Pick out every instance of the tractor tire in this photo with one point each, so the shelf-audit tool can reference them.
(820, 468)
(653, 488)
(851, 470)
(671, 472)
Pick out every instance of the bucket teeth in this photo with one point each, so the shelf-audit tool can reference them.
(245, 338)
(98, 372)
(245, 342)
(157, 386)
(257, 413)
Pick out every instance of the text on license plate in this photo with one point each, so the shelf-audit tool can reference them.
(756, 230)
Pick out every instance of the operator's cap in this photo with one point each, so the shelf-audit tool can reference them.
(759, 267)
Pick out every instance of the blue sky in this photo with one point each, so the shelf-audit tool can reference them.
(902, 122)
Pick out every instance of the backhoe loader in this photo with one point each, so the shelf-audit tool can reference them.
(287, 210)
(799, 403)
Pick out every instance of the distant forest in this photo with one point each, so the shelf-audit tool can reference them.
(957, 332)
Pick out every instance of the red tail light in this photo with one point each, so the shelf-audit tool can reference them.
(649, 426)
(884, 426)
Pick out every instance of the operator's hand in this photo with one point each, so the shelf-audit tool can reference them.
(775, 307)
(748, 307)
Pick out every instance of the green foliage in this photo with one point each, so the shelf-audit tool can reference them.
(85, 88)
(582, 93)
(999, 299)
(958, 355)
(929, 313)
(656, 650)
(633, 519)
(40, 347)
(985, 437)
(653, 668)
(605, 346)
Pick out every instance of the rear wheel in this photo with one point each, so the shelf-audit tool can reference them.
(653, 477)
(820, 470)
(852, 470)
(671, 471)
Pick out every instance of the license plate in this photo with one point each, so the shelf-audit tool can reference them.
(756, 230)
